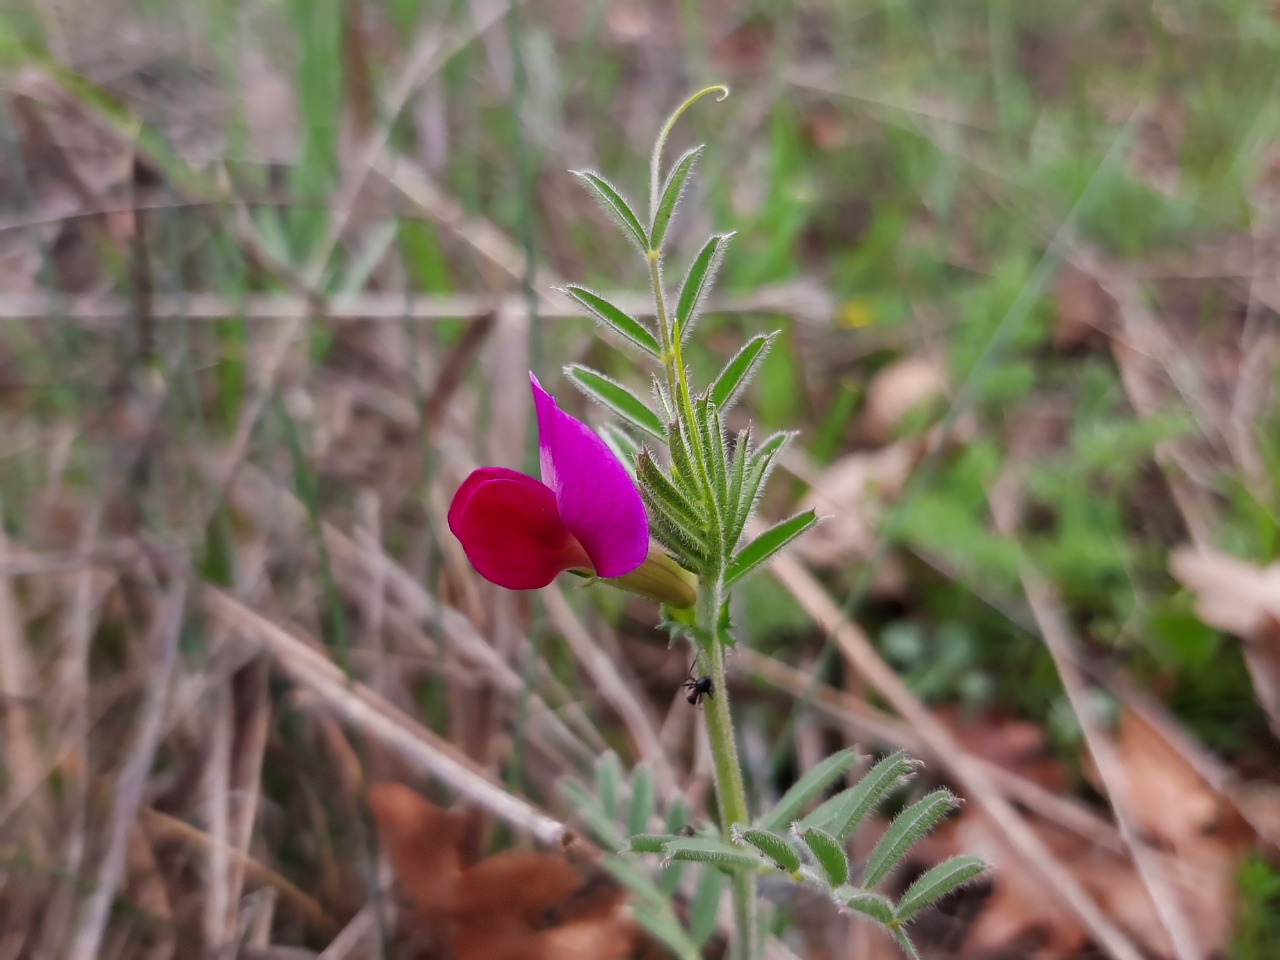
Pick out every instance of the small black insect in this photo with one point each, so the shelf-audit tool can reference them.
(698, 687)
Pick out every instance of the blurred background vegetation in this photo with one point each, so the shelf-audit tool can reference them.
(270, 277)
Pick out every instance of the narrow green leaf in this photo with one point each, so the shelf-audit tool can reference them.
(671, 191)
(616, 397)
(807, 788)
(828, 854)
(641, 800)
(908, 948)
(842, 814)
(616, 206)
(652, 908)
(666, 408)
(774, 847)
(737, 373)
(698, 283)
(682, 466)
(678, 815)
(758, 470)
(669, 877)
(686, 514)
(711, 433)
(673, 539)
(587, 807)
(878, 908)
(627, 872)
(649, 842)
(761, 550)
(629, 328)
(705, 905)
(664, 926)
(907, 828)
(937, 882)
(719, 854)
(608, 776)
(737, 475)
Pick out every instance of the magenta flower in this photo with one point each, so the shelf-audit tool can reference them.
(585, 513)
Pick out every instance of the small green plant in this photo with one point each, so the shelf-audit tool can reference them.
(699, 485)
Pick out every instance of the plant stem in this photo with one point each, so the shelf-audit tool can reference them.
(677, 379)
(730, 792)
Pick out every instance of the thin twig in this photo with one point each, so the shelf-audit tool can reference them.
(164, 826)
(133, 776)
(380, 720)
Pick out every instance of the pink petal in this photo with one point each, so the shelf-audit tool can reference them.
(598, 501)
(511, 530)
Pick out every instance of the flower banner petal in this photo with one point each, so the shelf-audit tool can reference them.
(598, 501)
(511, 529)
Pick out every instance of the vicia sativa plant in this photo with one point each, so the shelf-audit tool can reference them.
(667, 517)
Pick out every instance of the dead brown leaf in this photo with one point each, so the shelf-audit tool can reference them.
(1018, 746)
(1085, 310)
(851, 494)
(514, 905)
(1193, 830)
(900, 389)
(1197, 831)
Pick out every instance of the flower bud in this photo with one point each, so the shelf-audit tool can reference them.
(660, 578)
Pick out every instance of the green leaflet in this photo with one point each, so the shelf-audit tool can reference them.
(907, 828)
(806, 789)
(615, 318)
(615, 206)
(616, 397)
(935, 883)
(737, 373)
(698, 283)
(671, 191)
(760, 550)
(828, 853)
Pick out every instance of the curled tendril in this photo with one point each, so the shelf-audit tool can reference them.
(655, 161)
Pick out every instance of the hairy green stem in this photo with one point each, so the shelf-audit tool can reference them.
(730, 792)
(677, 379)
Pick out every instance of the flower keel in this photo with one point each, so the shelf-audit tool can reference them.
(511, 530)
(587, 514)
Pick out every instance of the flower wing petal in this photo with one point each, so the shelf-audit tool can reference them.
(511, 529)
(598, 500)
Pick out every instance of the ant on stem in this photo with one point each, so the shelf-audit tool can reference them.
(698, 687)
